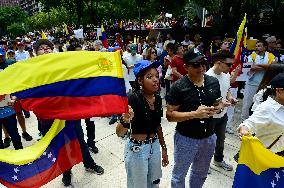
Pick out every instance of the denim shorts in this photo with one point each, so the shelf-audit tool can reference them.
(142, 164)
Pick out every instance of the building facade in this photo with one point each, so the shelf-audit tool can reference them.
(9, 3)
(30, 6)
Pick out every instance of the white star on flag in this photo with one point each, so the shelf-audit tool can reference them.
(49, 155)
(54, 159)
(15, 177)
(44, 153)
(272, 184)
(16, 170)
(277, 175)
(30, 163)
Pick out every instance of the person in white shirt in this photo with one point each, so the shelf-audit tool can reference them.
(131, 60)
(169, 40)
(260, 60)
(267, 121)
(186, 41)
(21, 54)
(223, 61)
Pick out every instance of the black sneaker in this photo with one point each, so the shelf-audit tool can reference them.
(112, 121)
(96, 169)
(26, 136)
(66, 178)
(7, 142)
(93, 148)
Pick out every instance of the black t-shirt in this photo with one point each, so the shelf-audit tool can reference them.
(145, 120)
(189, 97)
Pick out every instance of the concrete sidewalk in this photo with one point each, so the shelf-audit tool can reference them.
(110, 157)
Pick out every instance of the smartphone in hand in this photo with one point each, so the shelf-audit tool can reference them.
(217, 101)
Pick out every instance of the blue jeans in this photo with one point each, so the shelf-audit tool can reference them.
(195, 152)
(143, 167)
(10, 123)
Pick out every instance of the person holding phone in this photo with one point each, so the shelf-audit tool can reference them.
(190, 104)
(223, 60)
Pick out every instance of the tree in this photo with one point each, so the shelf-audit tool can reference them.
(16, 29)
(56, 17)
(9, 15)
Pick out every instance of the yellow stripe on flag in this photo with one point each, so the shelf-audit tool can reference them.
(55, 67)
(240, 33)
(66, 29)
(254, 155)
(31, 153)
(43, 35)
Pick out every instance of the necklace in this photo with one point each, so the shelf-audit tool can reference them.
(151, 104)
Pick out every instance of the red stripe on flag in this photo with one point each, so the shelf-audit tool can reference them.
(65, 160)
(70, 108)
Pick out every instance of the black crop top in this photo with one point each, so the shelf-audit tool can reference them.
(145, 121)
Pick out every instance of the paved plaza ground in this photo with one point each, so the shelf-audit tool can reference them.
(110, 157)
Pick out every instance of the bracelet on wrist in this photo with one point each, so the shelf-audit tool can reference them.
(125, 125)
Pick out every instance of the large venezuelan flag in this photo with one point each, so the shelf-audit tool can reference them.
(258, 167)
(38, 164)
(68, 85)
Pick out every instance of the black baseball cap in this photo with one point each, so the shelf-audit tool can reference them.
(191, 56)
(278, 81)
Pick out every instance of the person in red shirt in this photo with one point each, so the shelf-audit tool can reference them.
(177, 64)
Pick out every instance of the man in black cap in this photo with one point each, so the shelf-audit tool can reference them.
(192, 102)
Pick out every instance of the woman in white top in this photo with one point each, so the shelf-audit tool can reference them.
(267, 121)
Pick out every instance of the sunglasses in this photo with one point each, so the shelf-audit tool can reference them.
(153, 52)
(229, 64)
(198, 64)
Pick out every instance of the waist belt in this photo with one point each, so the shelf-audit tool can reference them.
(148, 141)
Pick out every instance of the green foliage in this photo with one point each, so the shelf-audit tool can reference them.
(9, 15)
(41, 20)
(16, 29)
(210, 5)
(88, 11)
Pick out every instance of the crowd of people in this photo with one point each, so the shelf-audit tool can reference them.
(200, 87)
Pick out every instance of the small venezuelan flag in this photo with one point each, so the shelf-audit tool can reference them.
(40, 163)
(104, 37)
(258, 166)
(68, 85)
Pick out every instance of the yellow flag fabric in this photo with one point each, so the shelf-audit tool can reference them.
(254, 155)
(30, 154)
(45, 69)
(245, 37)
(211, 50)
(240, 34)
(66, 29)
(43, 35)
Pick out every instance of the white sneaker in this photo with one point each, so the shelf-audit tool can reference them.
(223, 165)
